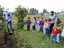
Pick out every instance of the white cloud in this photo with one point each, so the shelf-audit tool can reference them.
(55, 5)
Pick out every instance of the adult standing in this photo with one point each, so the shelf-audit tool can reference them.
(52, 17)
(8, 19)
(58, 22)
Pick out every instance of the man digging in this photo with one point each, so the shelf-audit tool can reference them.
(8, 19)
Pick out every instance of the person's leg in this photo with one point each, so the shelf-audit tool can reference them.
(48, 32)
(38, 28)
(51, 27)
(10, 27)
(41, 28)
(7, 27)
(54, 39)
(10, 24)
(34, 28)
(28, 27)
(58, 38)
(51, 38)
(44, 32)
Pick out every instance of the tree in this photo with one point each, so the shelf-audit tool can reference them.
(45, 11)
(41, 14)
(2, 20)
(33, 11)
(20, 13)
(62, 11)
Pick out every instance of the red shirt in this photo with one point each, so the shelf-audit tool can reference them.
(55, 31)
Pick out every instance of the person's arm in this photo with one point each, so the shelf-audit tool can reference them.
(59, 28)
(53, 17)
(10, 18)
(30, 22)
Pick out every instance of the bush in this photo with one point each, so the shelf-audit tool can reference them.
(20, 13)
(2, 20)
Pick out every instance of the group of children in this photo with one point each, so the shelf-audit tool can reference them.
(37, 24)
(44, 26)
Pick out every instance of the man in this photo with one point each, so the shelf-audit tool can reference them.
(52, 17)
(8, 19)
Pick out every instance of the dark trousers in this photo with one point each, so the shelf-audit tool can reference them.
(48, 32)
(41, 28)
(33, 27)
(28, 28)
(51, 27)
(9, 26)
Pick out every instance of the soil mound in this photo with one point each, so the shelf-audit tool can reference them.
(7, 40)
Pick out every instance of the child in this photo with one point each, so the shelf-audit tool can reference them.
(58, 22)
(41, 24)
(28, 22)
(38, 24)
(62, 36)
(44, 27)
(54, 33)
(33, 24)
(48, 27)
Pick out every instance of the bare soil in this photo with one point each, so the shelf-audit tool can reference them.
(7, 41)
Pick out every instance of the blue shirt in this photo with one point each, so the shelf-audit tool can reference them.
(28, 22)
(8, 18)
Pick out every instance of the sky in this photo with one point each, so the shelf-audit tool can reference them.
(55, 5)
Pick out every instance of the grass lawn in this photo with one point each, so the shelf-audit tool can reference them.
(35, 39)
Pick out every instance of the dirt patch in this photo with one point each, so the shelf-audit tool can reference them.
(7, 41)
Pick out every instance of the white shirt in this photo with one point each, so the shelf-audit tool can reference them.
(62, 34)
(7, 18)
(52, 18)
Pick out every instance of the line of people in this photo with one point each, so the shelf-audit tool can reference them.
(51, 27)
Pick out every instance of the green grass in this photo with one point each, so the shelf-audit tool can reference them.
(35, 39)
